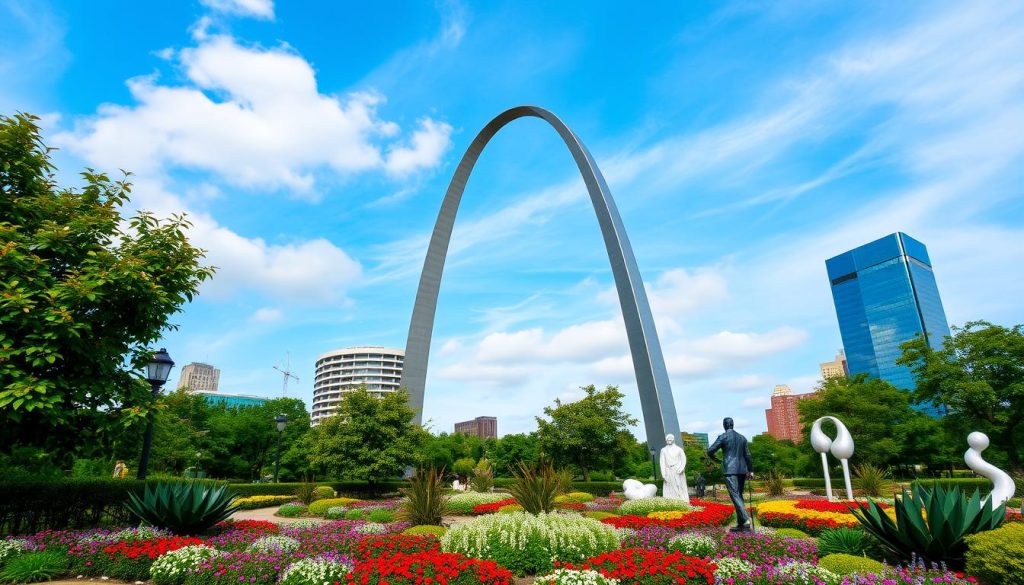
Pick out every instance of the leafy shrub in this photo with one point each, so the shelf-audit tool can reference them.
(693, 545)
(997, 556)
(274, 544)
(574, 577)
(34, 567)
(335, 513)
(355, 514)
(536, 489)
(598, 515)
(851, 541)
(425, 502)
(320, 507)
(305, 492)
(316, 571)
(940, 536)
(12, 547)
(529, 544)
(463, 504)
(482, 478)
(793, 533)
(255, 502)
(322, 492)
(729, 568)
(437, 531)
(183, 507)
(581, 497)
(775, 483)
(870, 480)
(656, 504)
(381, 515)
(844, 564)
(291, 510)
(172, 567)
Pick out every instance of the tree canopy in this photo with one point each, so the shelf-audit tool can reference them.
(85, 292)
(978, 376)
(590, 433)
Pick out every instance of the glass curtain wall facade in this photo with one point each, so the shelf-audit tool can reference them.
(885, 294)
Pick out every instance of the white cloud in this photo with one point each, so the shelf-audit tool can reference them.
(267, 315)
(271, 126)
(742, 346)
(255, 8)
(756, 402)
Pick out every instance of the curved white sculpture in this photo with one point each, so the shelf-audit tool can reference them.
(634, 490)
(1002, 484)
(841, 448)
(673, 470)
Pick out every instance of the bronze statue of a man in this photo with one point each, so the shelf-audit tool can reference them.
(737, 468)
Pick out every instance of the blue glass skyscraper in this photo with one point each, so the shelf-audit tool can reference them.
(885, 294)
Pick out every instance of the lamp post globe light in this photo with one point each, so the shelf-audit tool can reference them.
(157, 371)
(281, 421)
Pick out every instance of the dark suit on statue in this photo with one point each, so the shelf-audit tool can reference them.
(736, 464)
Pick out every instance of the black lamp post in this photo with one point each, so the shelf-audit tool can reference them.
(281, 421)
(157, 371)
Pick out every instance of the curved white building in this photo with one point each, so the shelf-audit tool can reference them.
(342, 370)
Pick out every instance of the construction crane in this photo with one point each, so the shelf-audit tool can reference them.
(287, 373)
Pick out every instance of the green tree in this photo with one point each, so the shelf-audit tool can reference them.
(978, 376)
(509, 450)
(770, 454)
(886, 428)
(369, 438)
(586, 433)
(84, 294)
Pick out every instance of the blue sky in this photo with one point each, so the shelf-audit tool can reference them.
(311, 143)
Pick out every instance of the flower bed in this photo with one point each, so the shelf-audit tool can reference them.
(492, 507)
(633, 566)
(810, 516)
(429, 567)
(704, 514)
(254, 502)
(464, 503)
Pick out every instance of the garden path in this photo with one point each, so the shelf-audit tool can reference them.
(268, 515)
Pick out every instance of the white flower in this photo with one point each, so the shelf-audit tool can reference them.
(314, 572)
(730, 567)
(173, 566)
(371, 528)
(12, 547)
(274, 544)
(571, 577)
(656, 504)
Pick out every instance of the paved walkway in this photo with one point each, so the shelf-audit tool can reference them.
(267, 514)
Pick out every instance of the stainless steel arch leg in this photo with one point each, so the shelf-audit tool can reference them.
(656, 401)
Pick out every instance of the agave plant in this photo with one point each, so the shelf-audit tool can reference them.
(183, 507)
(931, 523)
(850, 541)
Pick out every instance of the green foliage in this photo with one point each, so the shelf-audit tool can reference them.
(463, 467)
(437, 531)
(425, 502)
(482, 478)
(656, 504)
(507, 452)
(693, 544)
(851, 541)
(527, 544)
(85, 293)
(291, 510)
(599, 515)
(369, 438)
(536, 489)
(870, 480)
(33, 506)
(979, 376)
(380, 516)
(775, 483)
(34, 567)
(590, 433)
(463, 504)
(183, 507)
(888, 430)
(997, 556)
(579, 497)
(320, 507)
(305, 492)
(771, 454)
(171, 568)
(843, 564)
(322, 492)
(792, 533)
(11, 547)
(938, 533)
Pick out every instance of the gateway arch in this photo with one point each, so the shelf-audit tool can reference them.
(659, 412)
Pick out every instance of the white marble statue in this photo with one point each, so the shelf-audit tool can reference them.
(634, 490)
(841, 448)
(673, 470)
(1002, 484)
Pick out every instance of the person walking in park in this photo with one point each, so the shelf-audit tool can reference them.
(737, 467)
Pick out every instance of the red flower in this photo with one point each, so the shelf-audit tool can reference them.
(426, 567)
(493, 506)
(151, 548)
(382, 546)
(634, 566)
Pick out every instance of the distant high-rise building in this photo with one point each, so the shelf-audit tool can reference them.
(343, 370)
(784, 417)
(233, 400)
(885, 294)
(485, 427)
(199, 377)
(835, 368)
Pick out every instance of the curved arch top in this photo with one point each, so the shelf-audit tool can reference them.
(656, 401)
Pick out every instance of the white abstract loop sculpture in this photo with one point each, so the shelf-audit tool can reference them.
(1002, 484)
(634, 490)
(841, 447)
